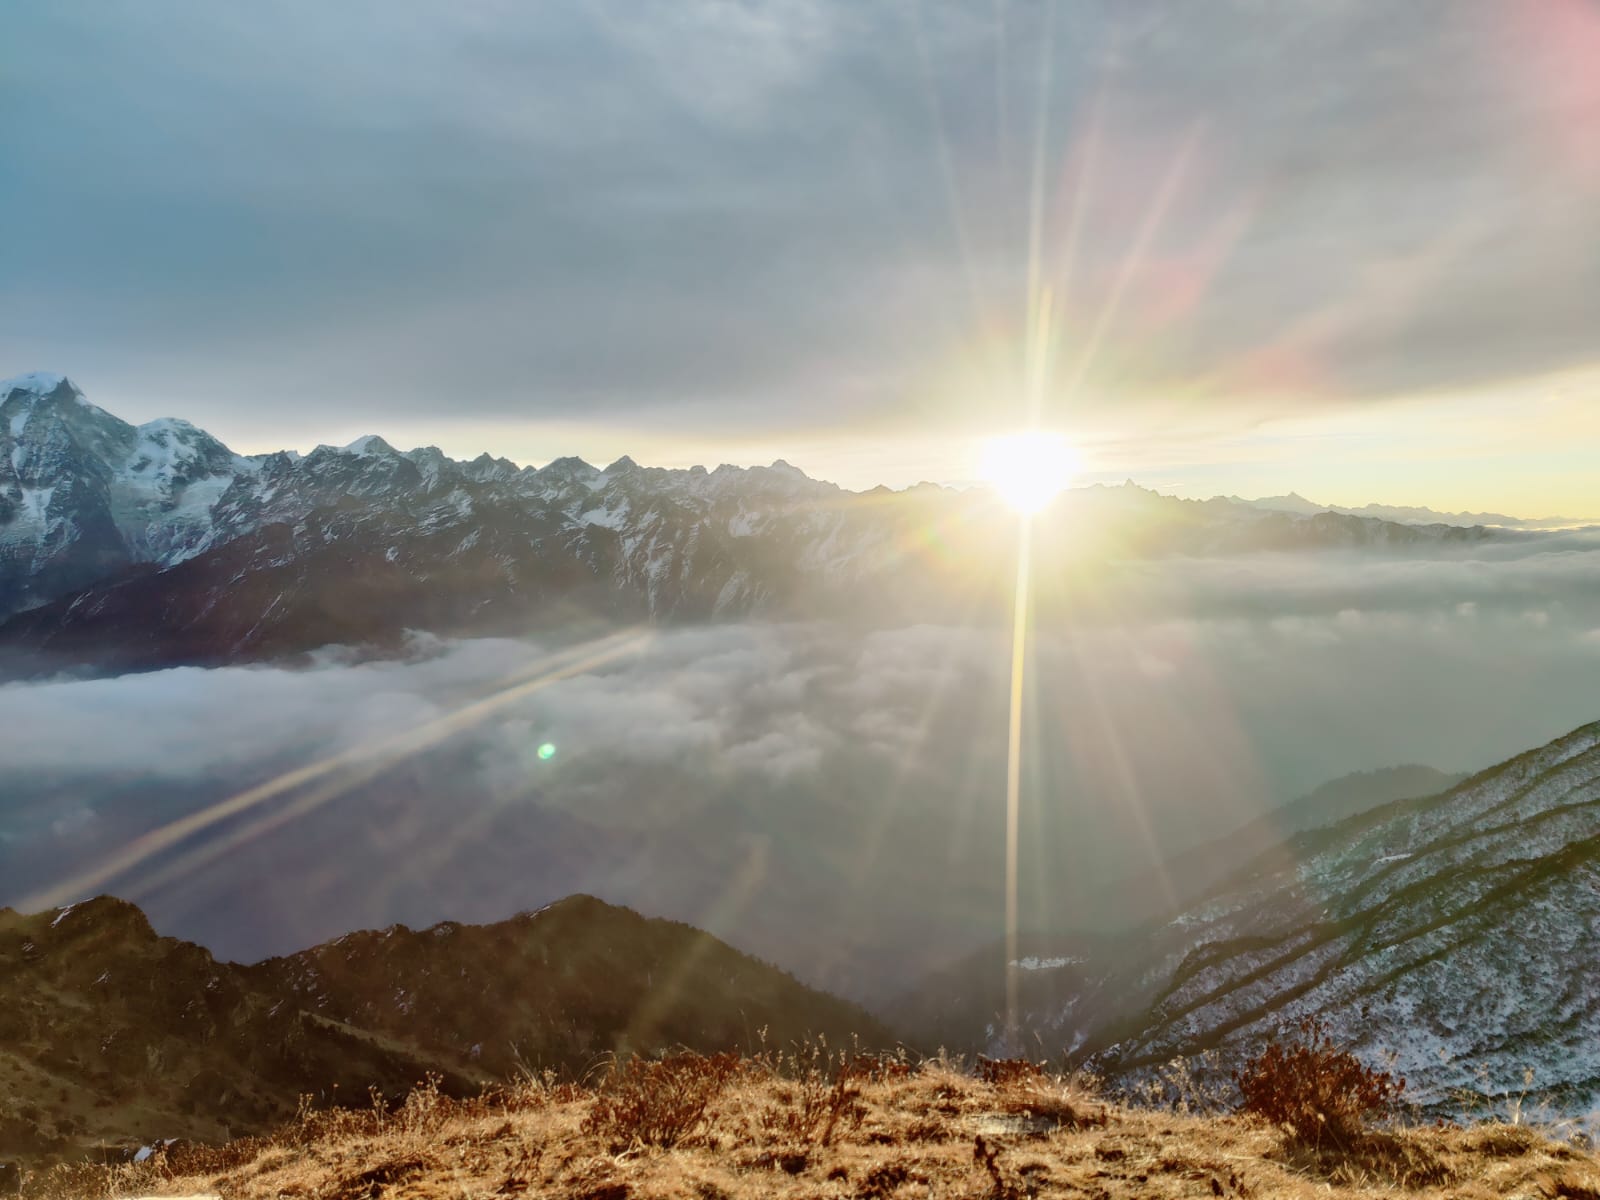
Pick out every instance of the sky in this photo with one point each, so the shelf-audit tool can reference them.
(1336, 247)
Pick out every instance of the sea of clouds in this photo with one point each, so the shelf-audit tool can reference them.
(829, 797)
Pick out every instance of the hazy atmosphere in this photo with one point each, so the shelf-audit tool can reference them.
(705, 773)
(801, 599)
(706, 231)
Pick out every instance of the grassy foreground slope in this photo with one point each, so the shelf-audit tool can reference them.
(725, 1128)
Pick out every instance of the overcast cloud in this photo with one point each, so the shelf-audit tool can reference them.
(730, 220)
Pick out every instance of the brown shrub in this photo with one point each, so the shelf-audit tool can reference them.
(1002, 1072)
(529, 1093)
(1568, 1187)
(813, 1104)
(819, 1091)
(1051, 1103)
(312, 1124)
(374, 1182)
(883, 1180)
(181, 1158)
(1314, 1089)
(1001, 1185)
(815, 1112)
(73, 1181)
(878, 1068)
(660, 1102)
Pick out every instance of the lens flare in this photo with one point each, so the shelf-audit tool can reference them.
(1027, 469)
(547, 751)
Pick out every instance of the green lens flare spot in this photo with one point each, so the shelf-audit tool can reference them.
(547, 752)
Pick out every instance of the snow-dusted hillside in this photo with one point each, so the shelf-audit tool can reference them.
(1460, 933)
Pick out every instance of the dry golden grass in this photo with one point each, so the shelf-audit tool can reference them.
(824, 1126)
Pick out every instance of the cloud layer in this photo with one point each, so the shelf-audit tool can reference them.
(723, 222)
(827, 797)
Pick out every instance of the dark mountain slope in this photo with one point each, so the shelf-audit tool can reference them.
(281, 590)
(109, 1033)
(558, 987)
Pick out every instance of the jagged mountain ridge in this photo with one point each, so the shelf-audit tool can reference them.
(84, 494)
(1459, 933)
(1405, 514)
(111, 1033)
(108, 1031)
(127, 547)
(963, 1004)
(90, 494)
(556, 988)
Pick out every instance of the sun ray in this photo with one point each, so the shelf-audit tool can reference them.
(1131, 261)
(1019, 641)
(1089, 155)
(680, 978)
(1036, 199)
(359, 764)
(947, 171)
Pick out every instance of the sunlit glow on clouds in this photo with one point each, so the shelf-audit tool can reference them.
(1525, 448)
(692, 234)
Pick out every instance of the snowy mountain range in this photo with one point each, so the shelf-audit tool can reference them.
(83, 494)
(129, 547)
(1411, 515)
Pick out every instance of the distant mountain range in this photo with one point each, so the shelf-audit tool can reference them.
(1404, 515)
(110, 1034)
(133, 547)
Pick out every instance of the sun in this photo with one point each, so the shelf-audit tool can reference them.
(1028, 468)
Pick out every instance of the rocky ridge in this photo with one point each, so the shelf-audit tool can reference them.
(134, 547)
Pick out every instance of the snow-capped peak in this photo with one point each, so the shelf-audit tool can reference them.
(169, 425)
(788, 470)
(40, 383)
(570, 467)
(1294, 502)
(368, 446)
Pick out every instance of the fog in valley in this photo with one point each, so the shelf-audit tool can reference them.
(828, 798)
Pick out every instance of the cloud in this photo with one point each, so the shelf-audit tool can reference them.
(705, 218)
(1495, 577)
(851, 779)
